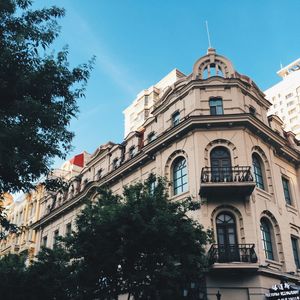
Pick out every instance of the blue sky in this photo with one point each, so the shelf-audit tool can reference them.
(137, 42)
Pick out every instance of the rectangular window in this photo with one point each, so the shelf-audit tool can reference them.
(286, 190)
(30, 235)
(290, 103)
(31, 210)
(292, 111)
(152, 187)
(68, 228)
(216, 106)
(175, 118)
(146, 113)
(296, 251)
(151, 137)
(146, 102)
(140, 116)
(55, 236)
(288, 95)
(44, 241)
(131, 152)
(252, 110)
(294, 119)
(115, 163)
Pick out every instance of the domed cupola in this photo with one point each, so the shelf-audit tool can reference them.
(213, 64)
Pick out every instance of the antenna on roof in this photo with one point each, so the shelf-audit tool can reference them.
(208, 36)
(281, 66)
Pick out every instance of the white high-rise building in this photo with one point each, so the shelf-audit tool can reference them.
(140, 109)
(285, 97)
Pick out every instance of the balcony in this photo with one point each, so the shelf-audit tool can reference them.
(229, 181)
(243, 253)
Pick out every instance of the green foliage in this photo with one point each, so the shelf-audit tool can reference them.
(6, 226)
(50, 276)
(12, 270)
(141, 243)
(38, 94)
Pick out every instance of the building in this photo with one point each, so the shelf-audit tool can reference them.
(285, 97)
(23, 213)
(209, 131)
(25, 210)
(141, 108)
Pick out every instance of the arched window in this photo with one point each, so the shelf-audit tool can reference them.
(266, 237)
(216, 106)
(258, 171)
(180, 178)
(220, 162)
(227, 237)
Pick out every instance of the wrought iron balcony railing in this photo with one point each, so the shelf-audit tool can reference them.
(244, 253)
(230, 181)
(227, 174)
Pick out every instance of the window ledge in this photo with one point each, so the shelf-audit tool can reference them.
(179, 196)
(263, 193)
(274, 264)
(291, 208)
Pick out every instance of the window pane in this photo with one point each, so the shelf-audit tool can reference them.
(175, 118)
(179, 176)
(286, 190)
(219, 110)
(68, 229)
(266, 239)
(213, 110)
(258, 172)
(296, 252)
(216, 106)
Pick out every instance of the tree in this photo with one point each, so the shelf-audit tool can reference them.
(141, 244)
(12, 271)
(50, 276)
(38, 94)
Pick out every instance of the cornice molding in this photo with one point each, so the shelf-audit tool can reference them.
(176, 94)
(189, 124)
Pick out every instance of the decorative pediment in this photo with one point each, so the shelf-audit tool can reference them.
(213, 64)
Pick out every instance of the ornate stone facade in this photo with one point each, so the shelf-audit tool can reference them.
(213, 127)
